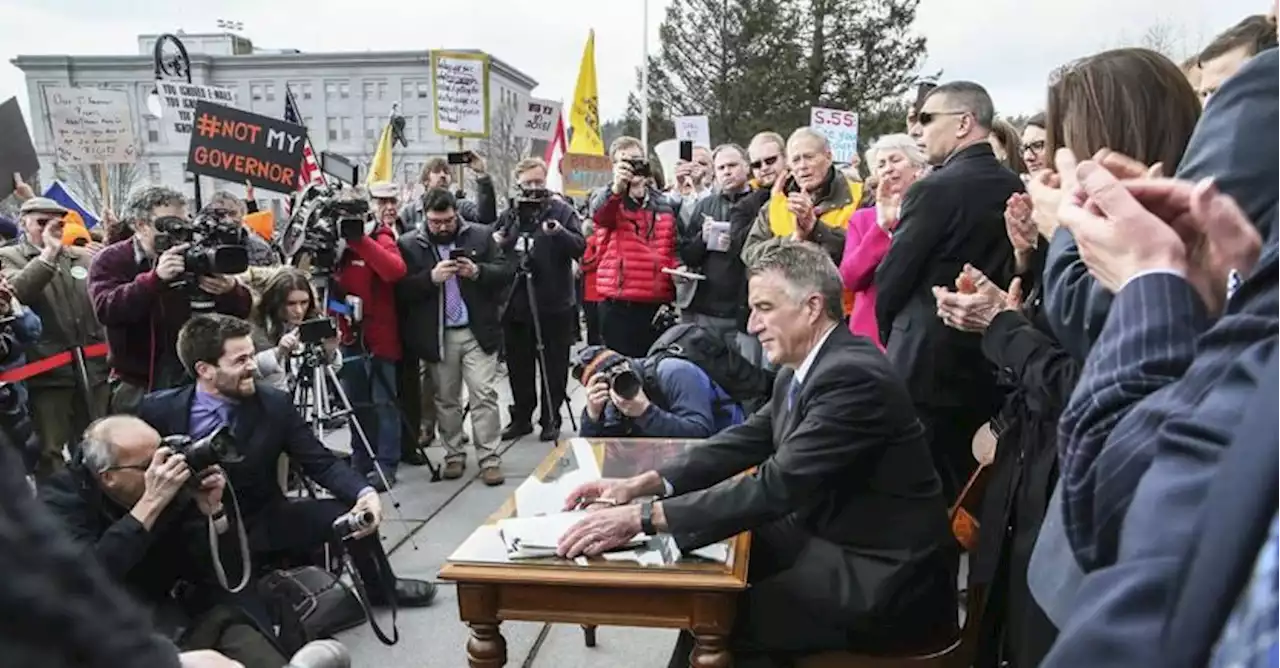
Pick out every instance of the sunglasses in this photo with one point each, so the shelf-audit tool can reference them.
(927, 117)
(1034, 147)
(771, 160)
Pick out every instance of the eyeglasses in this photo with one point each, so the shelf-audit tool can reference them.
(129, 467)
(43, 222)
(1034, 147)
(927, 117)
(441, 221)
(770, 161)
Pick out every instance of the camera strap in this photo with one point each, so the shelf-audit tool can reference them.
(389, 592)
(218, 568)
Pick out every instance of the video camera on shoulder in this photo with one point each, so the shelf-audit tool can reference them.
(214, 449)
(217, 242)
(321, 217)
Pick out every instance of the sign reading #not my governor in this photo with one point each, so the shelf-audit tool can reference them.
(238, 146)
(460, 82)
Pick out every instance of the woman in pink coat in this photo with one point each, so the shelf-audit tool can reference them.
(896, 162)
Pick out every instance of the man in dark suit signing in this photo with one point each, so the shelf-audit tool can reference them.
(850, 544)
(953, 217)
(218, 351)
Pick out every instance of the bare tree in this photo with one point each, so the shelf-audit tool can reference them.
(86, 183)
(1170, 40)
(503, 149)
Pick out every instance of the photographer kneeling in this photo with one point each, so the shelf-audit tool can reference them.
(545, 236)
(287, 302)
(686, 403)
(218, 351)
(142, 513)
(143, 290)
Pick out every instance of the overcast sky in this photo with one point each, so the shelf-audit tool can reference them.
(1008, 45)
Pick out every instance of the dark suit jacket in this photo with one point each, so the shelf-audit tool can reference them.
(951, 217)
(849, 465)
(1235, 143)
(266, 425)
(421, 302)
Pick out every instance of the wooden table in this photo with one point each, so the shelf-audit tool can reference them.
(700, 596)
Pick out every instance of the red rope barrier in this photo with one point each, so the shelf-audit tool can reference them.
(49, 363)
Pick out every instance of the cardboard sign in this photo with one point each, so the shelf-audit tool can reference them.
(841, 129)
(536, 119)
(91, 126)
(584, 173)
(17, 153)
(238, 146)
(460, 82)
(180, 100)
(695, 129)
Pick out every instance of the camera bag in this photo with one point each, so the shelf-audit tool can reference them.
(744, 382)
(310, 603)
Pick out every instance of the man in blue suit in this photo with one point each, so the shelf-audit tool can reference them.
(1153, 383)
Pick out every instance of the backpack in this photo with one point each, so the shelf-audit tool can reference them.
(745, 383)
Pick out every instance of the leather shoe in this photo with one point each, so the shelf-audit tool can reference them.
(492, 476)
(549, 434)
(413, 456)
(516, 430)
(454, 469)
(409, 594)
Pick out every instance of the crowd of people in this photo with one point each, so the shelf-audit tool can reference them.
(1094, 293)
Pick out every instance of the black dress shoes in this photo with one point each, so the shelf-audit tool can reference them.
(516, 430)
(408, 593)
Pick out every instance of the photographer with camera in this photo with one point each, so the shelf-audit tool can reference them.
(49, 277)
(218, 351)
(142, 513)
(663, 397)
(438, 173)
(638, 227)
(544, 236)
(142, 295)
(287, 302)
(368, 269)
(449, 303)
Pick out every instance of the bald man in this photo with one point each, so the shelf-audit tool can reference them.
(120, 501)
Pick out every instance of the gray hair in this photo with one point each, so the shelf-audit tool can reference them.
(896, 142)
(143, 202)
(970, 97)
(807, 132)
(730, 147)
(805, 267)
(98, 444)
(226, 200)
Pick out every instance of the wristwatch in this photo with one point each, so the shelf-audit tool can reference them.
(646, 518)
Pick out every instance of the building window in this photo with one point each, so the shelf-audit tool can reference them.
(330, 90)
(306, 122)
(255, 92)
(368, 90)
(344, 90)
(424, 128)
(153, 131)
(304, 89)
(406, 89)
(382, 90)
(332, 124)
(345, 123)
(370, 127)
(153, 172)
(270, 90)
(423, 90)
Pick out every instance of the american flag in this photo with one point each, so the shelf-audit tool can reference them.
(310, 168)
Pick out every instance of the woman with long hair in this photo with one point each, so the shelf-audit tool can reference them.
(1006, 143)
(287, 301)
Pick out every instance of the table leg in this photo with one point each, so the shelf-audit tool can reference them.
(589, 634)
(486, 648)
(710, 651)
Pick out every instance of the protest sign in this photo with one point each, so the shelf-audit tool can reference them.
(841, 130)
(695, 129)
(460, 82)
(17, 153)
(180, 100)
(238, 146)
(536, 119)
(583, 173)
(91, 126)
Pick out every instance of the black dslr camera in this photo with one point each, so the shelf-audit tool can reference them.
(217, 242)
(216, 448)
(529, 203)
(639, 167)
(624, 381)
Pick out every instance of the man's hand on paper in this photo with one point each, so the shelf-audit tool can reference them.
(606, 491)
(600, 532)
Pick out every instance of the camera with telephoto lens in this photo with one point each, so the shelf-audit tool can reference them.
(324, 217)
(639, 167)
(529, 203)
(624, 381)
(217, 242)
(216, 448)
(352, 522)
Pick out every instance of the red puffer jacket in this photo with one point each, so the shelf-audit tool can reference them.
(591, 265)
(640, 242)
(370, 268)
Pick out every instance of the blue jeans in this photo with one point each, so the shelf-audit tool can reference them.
(370, 384)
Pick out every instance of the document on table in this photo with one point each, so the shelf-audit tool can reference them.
(535, 497)
(534, 537)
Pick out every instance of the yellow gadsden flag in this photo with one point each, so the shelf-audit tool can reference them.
(380, 168)
(584, 117)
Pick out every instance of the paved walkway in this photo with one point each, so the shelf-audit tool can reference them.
(432, 520)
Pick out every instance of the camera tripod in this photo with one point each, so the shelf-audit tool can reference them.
(524, 271)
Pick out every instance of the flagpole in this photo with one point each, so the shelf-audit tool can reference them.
(644, 84)
(294, 102)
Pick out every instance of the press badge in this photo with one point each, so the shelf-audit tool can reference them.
(523, 245)
(79, 273)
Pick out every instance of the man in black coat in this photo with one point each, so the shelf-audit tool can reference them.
(219, 352)
(448, 303)
(543, 235)
(953, 217)
(850, 545)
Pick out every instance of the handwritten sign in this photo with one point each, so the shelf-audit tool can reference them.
(841, 130)
(536, 119)
(238, 146)
(180, 100)
(693, 128)
(91, 126)
(460, 82)
(583, 173)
